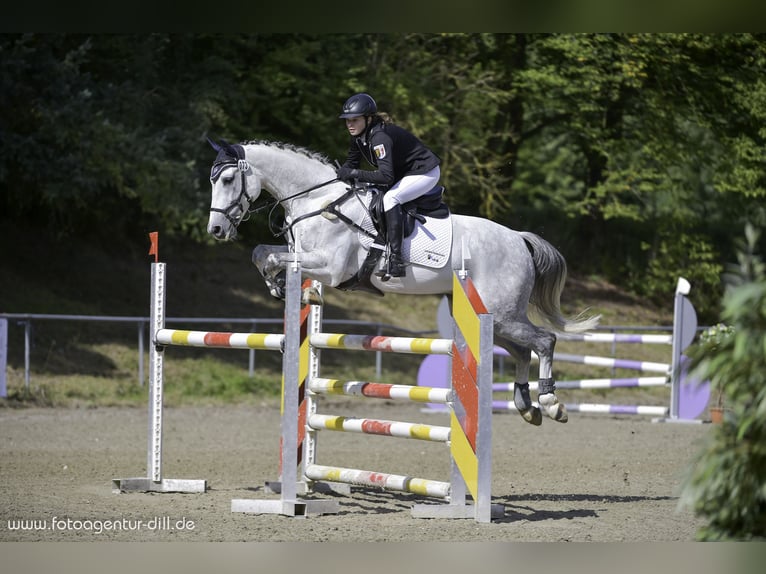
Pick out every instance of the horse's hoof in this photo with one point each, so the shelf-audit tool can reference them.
(549, 403)
(277, 293)
(311, 296)
(527, 410)
(532, 415)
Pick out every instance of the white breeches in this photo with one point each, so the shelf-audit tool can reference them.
(410, 187)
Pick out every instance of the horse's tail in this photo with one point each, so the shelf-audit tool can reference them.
(550, 276)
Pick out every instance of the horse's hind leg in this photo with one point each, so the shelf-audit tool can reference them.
(547, 398)
(521, 398)
(543, 343)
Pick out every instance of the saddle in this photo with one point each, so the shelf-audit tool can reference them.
(430, 204)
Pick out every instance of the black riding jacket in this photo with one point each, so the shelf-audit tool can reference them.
(394, 151)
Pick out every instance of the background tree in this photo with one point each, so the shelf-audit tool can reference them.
(636, 154)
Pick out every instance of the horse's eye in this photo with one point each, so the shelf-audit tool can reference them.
(227, 179)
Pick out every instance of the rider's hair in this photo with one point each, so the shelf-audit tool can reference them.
(383, 117)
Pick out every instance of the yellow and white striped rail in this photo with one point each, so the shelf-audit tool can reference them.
(379, 427)
(263, 341)
(380, 390)
(411, 345)
(421, 486)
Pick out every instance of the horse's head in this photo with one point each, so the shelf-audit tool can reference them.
(235, 187)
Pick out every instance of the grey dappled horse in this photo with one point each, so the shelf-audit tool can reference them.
(514, 272)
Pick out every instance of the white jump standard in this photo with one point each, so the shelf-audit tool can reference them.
(469, 399)
(288, 343)
(154, 481)
(288, 503)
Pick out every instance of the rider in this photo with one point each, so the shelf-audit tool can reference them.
(405, 166)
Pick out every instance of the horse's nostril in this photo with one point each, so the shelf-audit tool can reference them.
(216, 231)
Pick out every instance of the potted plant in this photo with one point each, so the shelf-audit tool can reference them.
(711, 341)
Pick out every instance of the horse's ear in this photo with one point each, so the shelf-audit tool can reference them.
(233, 150)
(214, 145)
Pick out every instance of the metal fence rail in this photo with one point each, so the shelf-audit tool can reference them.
(255, 323)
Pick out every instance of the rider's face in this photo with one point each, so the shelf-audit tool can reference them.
(355, 125)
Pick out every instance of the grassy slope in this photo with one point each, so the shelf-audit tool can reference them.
(87, 364)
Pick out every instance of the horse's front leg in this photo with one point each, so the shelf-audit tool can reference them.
(270, 262)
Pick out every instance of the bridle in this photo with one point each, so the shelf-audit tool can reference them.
(244, 200)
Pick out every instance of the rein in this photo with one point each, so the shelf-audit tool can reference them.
(331, 208)
(245, 210)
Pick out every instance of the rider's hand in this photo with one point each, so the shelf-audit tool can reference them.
(347, 174)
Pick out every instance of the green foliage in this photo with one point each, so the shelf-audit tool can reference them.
(628, 150)
(710, 343)
(727, 483)
(680, 255)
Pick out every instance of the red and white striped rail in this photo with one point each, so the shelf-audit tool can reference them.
(397, 482)
(410, 345)
(380, 390)
(263, 341)
(379, 427)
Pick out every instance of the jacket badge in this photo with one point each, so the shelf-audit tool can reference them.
(380, 151)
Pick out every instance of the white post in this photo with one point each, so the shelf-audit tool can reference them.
(464, 254)
(153, 482)
(156, 356)
(290, 381)
(140, 353)
(684, 330)
(682, 289)
(484, 507)
(314, 326)
(288, 503)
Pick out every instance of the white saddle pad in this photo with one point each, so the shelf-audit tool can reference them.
(429, 245)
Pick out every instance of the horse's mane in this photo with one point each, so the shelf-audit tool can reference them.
(293, 148)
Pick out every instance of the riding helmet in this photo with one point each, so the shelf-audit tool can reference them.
(359, 105)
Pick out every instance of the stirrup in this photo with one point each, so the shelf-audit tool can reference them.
(384, 272)
(395, 268)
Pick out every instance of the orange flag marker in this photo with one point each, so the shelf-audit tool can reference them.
(154, 238)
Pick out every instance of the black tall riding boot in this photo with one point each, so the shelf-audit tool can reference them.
(396, 266)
